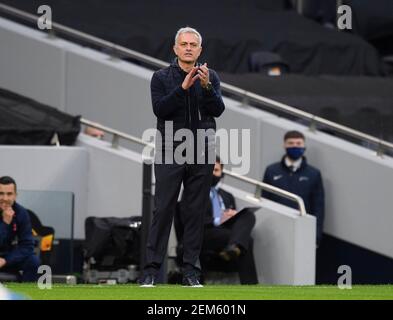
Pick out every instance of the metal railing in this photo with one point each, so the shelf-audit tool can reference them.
(242, 95)
(116, 134)
(267, 187)
(259, 185)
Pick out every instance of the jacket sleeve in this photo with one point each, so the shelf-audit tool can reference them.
(165, 104)
(213, 103)
(25, 246)
(317, 205)
(232, 201)
(3, 232)
(267, 179)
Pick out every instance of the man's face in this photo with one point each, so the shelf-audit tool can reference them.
(187, 48)
(294, 142)
(7, 195)
(217, 171)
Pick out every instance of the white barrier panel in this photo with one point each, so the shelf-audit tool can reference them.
(50, 169)
(31, 64)
(114, 180)
(115, 93)
(284, 242)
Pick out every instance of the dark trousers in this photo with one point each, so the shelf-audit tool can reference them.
(28, 266)
(236, 230)
(196, 179)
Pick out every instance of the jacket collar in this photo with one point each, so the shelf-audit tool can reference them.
(176, 68)
(175, 64)
(302, 166)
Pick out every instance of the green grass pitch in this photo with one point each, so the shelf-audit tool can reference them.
(209, 292)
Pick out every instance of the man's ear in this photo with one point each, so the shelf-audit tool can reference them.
(174, 50)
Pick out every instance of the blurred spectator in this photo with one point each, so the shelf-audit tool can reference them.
(267, 63)
(228, 233)
(295, 175)
(94, 132)
(227, 242)
(322, 11)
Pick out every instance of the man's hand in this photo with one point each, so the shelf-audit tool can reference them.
(204, 75)
(227, 214)
(2, 262)
(8, 214)
(190, 78)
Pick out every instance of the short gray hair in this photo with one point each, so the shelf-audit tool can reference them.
(188, 30)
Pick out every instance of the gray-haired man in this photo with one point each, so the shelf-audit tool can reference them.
(184, 95)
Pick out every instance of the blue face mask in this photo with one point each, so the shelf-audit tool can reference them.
(295, 152)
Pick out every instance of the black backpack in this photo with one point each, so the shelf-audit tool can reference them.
(112, 243)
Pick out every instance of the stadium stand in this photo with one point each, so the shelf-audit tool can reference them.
(335, 75)
(147, 27)
(362, 103)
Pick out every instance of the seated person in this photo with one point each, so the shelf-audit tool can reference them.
(94, 132)
(295, 175)
(227, 233)
(16, 239)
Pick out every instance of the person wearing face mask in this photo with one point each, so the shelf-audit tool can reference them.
(227, 233)
(295, 175)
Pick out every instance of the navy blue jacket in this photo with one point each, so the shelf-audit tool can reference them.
(305, 182)
(194, 108)
(18, 230)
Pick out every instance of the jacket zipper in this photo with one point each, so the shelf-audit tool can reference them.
(189, 109)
